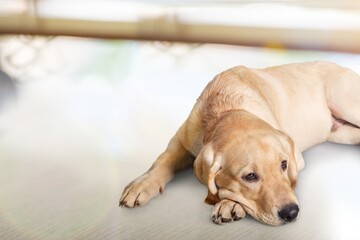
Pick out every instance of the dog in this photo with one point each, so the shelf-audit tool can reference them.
(245, 134)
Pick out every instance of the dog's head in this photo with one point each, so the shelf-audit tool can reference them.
(256, 168)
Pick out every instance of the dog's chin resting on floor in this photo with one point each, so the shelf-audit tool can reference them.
(245, 134)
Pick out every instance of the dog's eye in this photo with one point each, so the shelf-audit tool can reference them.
(283, 165)
(251, 177)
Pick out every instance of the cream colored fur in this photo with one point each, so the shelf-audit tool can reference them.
(250, 120)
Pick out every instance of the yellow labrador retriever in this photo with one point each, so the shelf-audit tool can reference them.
(246, 133)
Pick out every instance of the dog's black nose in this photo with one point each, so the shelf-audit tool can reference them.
(289, 212)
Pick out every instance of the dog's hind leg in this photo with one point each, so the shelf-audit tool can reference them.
(346, 135)
(153, 182)
(343, 97)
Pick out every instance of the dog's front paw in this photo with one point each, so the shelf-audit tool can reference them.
(140, 191)
(227, 211)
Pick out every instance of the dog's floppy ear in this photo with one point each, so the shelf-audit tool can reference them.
(296, 161)
(206, 166)
(295, 165)
(212, 199)
(293, 171)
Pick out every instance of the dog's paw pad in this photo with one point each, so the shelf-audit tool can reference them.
(227, 211)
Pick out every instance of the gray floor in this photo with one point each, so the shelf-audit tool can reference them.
(63, 199)
(69, 147)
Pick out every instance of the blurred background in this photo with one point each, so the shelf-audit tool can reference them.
(91, 92)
